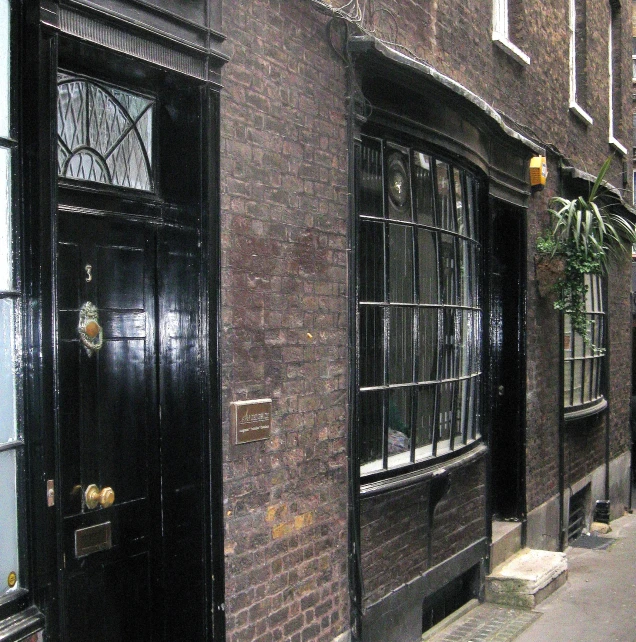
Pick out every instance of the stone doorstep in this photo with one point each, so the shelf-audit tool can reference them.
(527, 578)
(506, 541)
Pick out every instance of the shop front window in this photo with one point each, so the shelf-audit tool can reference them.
(419, 306)
(584, 357)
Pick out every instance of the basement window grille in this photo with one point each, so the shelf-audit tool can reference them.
(576, 521)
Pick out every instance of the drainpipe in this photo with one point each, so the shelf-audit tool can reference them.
(354, 551)
(562, 529)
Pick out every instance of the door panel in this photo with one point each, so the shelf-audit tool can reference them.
(100, 598)
(107, 412)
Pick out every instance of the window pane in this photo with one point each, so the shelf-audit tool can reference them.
(425, 416)
(477, 406)
(448, 259)
(400, 264)
(460, 212)
(7, 374)
(398, 187)
(399, 421)
(104, 134)
(423, 189)
(444, 202)
(473, 392)
(371, 261)
(6, 254)
(446, 398)
(8, 523)
(466, 342)
(428, 344)
(401, 345)
(470, 208)
(370, 182)
(428, 267)
(5, 66)
(466, 274)
(587, 379)
(371, 346)
(450, 337)
(463, 390)
(370, 426)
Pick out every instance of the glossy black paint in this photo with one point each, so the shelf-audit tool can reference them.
(506, 439)
(140, 412)
(131, 416)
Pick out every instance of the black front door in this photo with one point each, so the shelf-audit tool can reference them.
(507, 359)
(133, 490)
(109, 426)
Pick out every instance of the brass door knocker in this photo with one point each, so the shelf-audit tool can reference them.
(90, 332)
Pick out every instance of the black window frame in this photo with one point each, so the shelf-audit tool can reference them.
(471, 382)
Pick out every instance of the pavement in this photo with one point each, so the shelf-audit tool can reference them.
(597, 603)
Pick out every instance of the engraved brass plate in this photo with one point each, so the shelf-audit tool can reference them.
(251, 420)
(93, 539)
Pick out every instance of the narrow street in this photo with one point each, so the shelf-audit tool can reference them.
(596, 603)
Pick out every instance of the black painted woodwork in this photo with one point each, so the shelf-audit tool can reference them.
(133, 416)
(506, 439)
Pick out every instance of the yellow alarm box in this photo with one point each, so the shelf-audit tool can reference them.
(538, 171)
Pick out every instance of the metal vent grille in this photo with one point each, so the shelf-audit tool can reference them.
(576, 522)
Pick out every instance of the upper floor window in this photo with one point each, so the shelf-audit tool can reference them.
(584, 359)
(419, 306)
(506, 14)
(615, 84)
(578, 60)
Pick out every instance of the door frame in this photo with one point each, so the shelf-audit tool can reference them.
(41, 52)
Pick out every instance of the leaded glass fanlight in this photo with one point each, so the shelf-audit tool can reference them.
(104, 134)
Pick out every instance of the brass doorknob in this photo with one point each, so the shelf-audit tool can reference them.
(104, 497)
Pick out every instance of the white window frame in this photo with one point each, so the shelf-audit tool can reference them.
(501, 32)
(574, 106)
(613, 141)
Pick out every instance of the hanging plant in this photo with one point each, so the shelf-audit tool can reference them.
(583, 238)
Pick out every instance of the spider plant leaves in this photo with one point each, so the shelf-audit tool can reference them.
(585, 234)
(597, 232)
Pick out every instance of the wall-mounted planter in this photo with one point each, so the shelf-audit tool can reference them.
(548, 270)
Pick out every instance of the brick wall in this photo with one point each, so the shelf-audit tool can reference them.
(284, 324)
(456, 38)
(543, 363)
(284, 288)
(584, 447)
(620, 365)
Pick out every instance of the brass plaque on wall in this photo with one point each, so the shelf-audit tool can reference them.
(251, 420)
(93, 539)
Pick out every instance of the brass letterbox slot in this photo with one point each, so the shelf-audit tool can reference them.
(93, 539)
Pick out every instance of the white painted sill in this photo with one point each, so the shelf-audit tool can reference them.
(581, 114)
(617, 145)
(510, 48)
